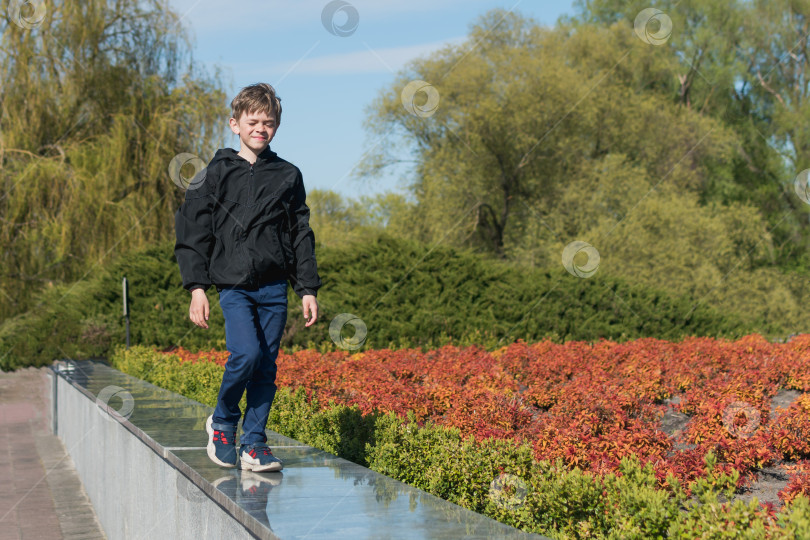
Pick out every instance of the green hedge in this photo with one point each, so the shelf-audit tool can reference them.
(408, 295)
(495, 477)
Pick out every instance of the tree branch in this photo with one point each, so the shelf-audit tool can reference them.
(769, 89)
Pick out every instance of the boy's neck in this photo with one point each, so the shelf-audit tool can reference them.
(248, 154)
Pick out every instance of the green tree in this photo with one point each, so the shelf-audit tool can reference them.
(338, 221)
(97, 98)
(585, 132)
(745, 63)
(521, 109)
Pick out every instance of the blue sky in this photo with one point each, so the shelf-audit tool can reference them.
(327, 81)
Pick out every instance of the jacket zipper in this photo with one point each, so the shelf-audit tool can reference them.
(247, 203)
(253, 276)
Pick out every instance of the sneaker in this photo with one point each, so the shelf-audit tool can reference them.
(259, 458)
(221, 444)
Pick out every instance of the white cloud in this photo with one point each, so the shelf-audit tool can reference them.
(371, 60)
(204, 15)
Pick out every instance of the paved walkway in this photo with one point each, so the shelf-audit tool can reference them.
(41, 496)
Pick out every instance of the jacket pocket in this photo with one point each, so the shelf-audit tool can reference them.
(286, 249)
(264, 246)
(226, 260)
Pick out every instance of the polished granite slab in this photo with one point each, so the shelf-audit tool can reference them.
(318, 495)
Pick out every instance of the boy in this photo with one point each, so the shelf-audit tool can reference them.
(245, 229)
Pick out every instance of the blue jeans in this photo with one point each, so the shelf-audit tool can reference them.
(254, 322)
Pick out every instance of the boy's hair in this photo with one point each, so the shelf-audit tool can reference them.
(259, 97)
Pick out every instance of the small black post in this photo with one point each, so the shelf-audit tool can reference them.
(126, 308)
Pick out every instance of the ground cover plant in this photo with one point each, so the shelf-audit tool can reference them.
(639, 439)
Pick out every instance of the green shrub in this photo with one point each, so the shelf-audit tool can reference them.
(796, 518)
(198, 381)
(407, 294)
(85, 320)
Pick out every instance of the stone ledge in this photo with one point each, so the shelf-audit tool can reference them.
(147, 473)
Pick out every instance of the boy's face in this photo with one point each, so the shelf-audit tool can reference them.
(255, 130)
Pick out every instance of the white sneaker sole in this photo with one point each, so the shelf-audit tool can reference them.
(256, 467)
(212, 451)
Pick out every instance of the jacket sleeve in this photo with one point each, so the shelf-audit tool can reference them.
(195, 235)
(304, 276)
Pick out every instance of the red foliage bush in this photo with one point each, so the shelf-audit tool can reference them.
(588, 404)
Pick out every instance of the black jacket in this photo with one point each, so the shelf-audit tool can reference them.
(245, 225)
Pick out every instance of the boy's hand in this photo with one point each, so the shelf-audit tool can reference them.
(310, 306)
(198, 310)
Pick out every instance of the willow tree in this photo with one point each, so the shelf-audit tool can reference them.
(97, 98)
